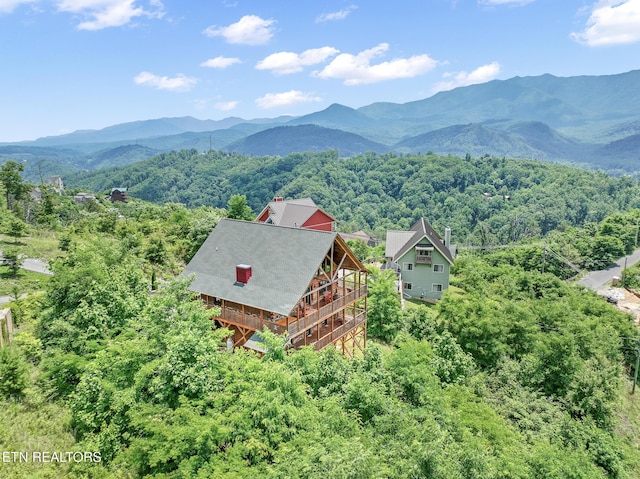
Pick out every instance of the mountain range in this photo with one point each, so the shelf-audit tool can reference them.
(589, 121)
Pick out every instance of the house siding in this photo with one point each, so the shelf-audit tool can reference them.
(423, 277)
(319, 221)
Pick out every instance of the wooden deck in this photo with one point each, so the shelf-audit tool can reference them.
(323, 334)
(315, 315)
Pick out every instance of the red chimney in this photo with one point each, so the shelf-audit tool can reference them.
(278, 199)
(243, 273)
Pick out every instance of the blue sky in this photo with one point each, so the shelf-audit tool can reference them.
(67, 65)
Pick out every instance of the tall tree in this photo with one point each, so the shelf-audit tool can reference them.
(238, 209)
(15, 187)
(384, 316)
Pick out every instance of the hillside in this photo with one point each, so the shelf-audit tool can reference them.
(377, 191)
(515, 373)
(511, 139)
(554, 100)
(283, 140)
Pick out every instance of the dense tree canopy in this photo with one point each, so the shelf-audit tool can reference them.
(515, 373)
(484, 200)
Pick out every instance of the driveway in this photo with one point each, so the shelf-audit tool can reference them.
(597, 279)
(29, 264)
(32, 264)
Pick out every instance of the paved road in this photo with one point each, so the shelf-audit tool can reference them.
(30, 264)
(597, 279)
(7, 299)
(36, 265)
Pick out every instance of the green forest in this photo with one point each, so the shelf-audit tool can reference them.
(515, 373)
(487, 199)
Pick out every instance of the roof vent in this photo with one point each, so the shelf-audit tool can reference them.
(243, 273)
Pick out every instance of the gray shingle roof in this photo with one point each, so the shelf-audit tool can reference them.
(291, 212)
(399, 242)
(283, 262)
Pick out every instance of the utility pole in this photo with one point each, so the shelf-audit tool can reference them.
(544, 257)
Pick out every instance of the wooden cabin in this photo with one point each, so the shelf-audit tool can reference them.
(119, 194)
(304, 282)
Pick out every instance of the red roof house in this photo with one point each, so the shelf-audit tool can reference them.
(300, 213)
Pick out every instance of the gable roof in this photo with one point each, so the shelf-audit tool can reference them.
(292, 212)
(283, 263)
(399, 242)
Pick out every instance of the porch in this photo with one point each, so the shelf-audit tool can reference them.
(328, 331)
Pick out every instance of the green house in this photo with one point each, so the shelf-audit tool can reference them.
(421, 259)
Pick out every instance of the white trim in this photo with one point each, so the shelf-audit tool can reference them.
(407, 266)
(436, 288)
(440, 270)
(407, 286)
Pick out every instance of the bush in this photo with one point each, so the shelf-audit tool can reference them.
(13, 373)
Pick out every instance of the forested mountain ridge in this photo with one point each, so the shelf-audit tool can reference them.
(283, 140)
(484, 200)
(587, 118)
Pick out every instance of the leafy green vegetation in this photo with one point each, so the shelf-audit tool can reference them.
(515, 373)
(484, 200)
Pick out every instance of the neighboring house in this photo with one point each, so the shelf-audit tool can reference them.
(304, 282)
(360, 235)
(57, 183)
(421, 259)
(36, 194)
(83, 197)
(301, 213)
(118, 194)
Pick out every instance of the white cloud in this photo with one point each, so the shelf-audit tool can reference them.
(177, 83)
(481, 74)
(612, 22)
(287, 98)
(8, 6)
(226, 105)
(357, 69)
(249, 30)
(283, 63)
(220, 62)
(109, 13)
(505, 2)
(339, 15)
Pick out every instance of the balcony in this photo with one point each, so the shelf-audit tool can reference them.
(313, 316)
(423, 259)
(324, 334)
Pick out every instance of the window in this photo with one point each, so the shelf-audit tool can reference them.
(436, 288)
(438, 268)
(407, 266)
(407, 286)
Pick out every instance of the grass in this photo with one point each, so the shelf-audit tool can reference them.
(628, 428)
(40, 244)
(23, 283)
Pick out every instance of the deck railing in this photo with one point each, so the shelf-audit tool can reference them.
(339, 331)
(312, 317)
(315, 316)
(249, 320)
